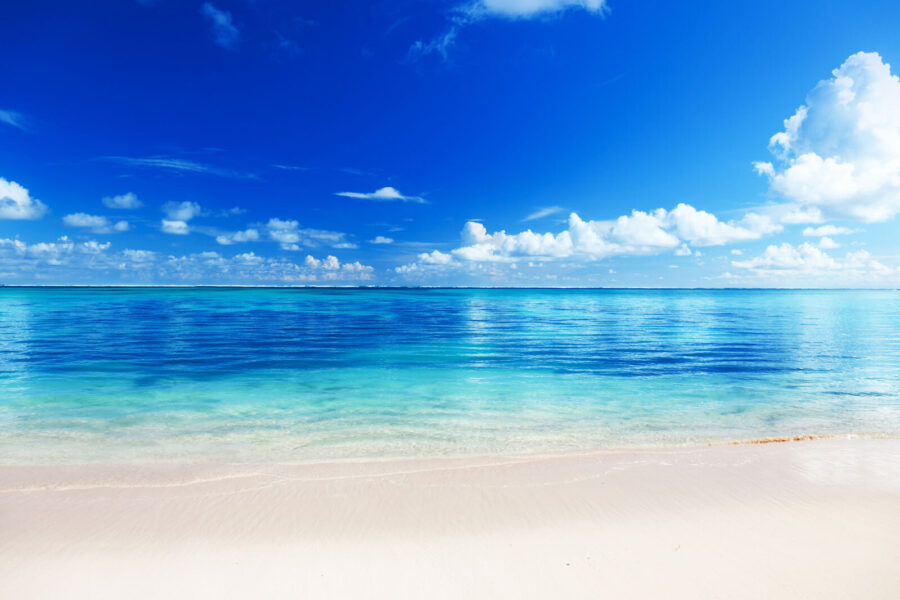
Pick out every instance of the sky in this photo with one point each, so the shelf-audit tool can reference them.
(574, 143)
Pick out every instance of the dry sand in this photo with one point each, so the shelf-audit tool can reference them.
(811, 519)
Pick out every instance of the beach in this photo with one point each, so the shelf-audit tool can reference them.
(804, 519)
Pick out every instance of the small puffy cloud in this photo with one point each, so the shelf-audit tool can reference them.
(385, 194)
(827, 230)
(181, 211)
(380, 239)
(17, 204)
(291, 236)
(683, 250)
(175, 227)
(139, 256)
(839, 154)
(63, 251)
(543, 212)
(826, 243)
(95, 223)
(248, 235)
(127, 201)
(226, 34)
(11, 117)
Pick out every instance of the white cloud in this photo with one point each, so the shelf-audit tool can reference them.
(839, 154)
(518, 9)
(791, 214)
(826, 243)
(640, 233)
(291, 236)
(543, 212)
(385, 194)
(11, 117)
(827, 230)
(18, 254)
(473, 11)
(175, 227)
(127, 201)
(807, 260)
(17, 204)
(248, 235)
(380, 239)
(64, 261)
(226, 34)
(97, 224)
(181, 211)
(701, 228)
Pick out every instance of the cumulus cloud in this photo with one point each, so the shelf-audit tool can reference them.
(248, 235)
(17, 253)
(17, 204)
(251, 267)
(175, 227)
(826, 243)
(807, 260)
(543, 212)
(839, 154)
(127, 201)
(380, 239)
(385, 194)
(95, 223)
(181, 211)
(640, 233)
(178, 214)
(291, 236)
(226, 34)
(63, 260)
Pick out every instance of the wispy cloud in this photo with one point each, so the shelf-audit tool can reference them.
(543, 212)
(385, 194)
(178, 165)
(226, 34)
(11, 117)
(473, 11)
(290, 168)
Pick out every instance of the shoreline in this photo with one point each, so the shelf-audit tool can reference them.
(202, 460)
(815, 519)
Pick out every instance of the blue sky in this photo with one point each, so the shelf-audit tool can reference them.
(493, 142)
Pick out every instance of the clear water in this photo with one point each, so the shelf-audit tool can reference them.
(302, 374)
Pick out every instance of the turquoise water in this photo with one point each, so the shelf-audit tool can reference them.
(305, 374)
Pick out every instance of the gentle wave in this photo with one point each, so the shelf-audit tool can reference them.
(294, 374)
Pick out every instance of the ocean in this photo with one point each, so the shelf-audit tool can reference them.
(291, 375)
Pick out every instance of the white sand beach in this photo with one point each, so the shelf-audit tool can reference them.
(811, 519)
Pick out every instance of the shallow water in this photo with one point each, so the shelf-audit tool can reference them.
(299, 374)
